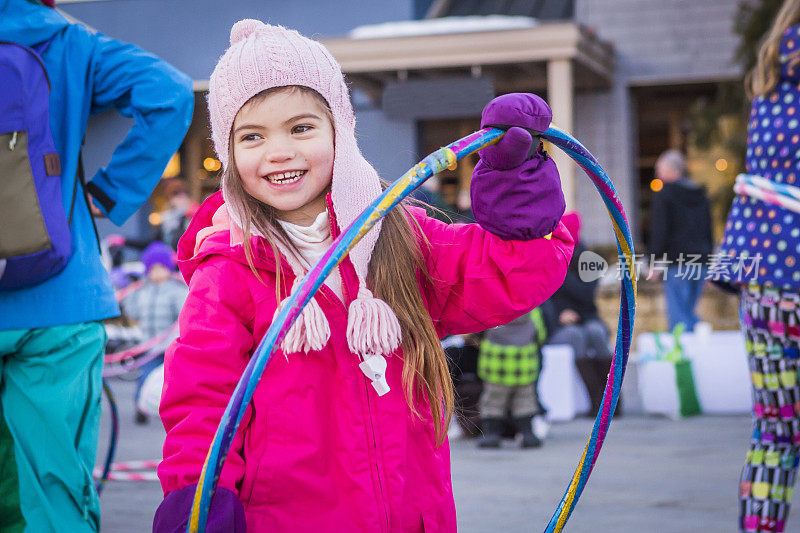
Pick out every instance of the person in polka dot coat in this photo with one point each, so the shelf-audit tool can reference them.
(773, 152)
(758, 257)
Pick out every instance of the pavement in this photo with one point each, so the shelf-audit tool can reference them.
(653, 475)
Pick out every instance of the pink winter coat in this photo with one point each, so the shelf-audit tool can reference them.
(317, 449)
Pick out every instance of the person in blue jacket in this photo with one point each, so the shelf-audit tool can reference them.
(759, 258)
(51, 335)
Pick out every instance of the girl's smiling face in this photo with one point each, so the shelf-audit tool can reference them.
(283, 149)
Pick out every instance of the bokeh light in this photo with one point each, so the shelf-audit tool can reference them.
(656, 185)
(211, 164)
(173, 167)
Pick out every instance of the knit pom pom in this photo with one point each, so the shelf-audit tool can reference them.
(242, 29)
(372, 326)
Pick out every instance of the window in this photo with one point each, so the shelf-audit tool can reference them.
(539, 9)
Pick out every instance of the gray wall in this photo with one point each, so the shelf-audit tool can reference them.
(656, 42)
(389, 145)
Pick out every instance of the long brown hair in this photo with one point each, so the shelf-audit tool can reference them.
(396, 261)
(763, 77)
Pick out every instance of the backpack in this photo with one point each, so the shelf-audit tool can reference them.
(35, 239)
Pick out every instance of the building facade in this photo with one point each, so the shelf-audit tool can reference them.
(622, 75)
(668, 54)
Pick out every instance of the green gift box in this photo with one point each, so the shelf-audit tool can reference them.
(666, 380)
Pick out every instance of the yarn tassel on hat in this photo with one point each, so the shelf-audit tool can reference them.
(311, 331)
(318, 331)
(372, 326)
(295, 338)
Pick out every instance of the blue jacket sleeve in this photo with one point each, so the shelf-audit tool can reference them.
(160, 100)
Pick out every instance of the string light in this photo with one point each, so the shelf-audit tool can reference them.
(656, 185)
(173, 167)
(211, 164)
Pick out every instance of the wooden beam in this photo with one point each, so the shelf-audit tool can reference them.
(560, 96)
(545, 42)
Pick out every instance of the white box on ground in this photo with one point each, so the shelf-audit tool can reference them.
(657, 387)
(720, 368)
(561, 388)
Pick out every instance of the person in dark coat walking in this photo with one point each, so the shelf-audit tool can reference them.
(680, 234)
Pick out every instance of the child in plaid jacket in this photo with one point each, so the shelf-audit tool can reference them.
(509, 364)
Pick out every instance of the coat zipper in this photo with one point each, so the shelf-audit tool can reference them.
(382, 503)
(374, 442)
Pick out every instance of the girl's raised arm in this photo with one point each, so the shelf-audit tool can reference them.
(480, 281)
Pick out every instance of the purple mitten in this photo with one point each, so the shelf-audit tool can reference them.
(226, 514)
(516, 192)
(523, 110)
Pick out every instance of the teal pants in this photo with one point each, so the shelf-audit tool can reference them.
(11, 520)
(50, 386)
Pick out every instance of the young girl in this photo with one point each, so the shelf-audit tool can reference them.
(322, 446)
(769, 287)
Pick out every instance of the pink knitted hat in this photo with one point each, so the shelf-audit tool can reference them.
(262, 57)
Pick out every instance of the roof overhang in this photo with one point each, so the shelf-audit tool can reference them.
(516, 58)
